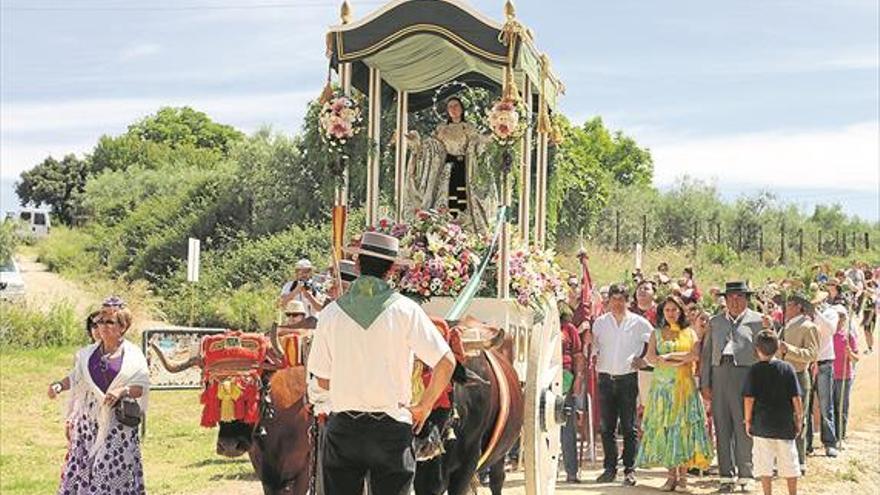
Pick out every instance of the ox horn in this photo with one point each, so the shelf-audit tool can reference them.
(273, 339)
(177, 368)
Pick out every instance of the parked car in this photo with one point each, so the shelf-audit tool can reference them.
(32, 222)
(11, 282)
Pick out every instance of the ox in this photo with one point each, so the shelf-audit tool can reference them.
(489, 418)
(278, 444)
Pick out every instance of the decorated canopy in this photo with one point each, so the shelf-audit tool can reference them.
(420, 45)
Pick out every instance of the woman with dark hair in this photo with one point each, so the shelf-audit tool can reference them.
(675, 434)
(444, 170)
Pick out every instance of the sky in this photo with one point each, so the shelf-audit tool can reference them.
(749, 95)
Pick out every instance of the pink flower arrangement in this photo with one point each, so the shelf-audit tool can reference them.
(340, 120)
(445, 258)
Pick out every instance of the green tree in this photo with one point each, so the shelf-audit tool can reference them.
(54, 183)
(183, 126)
(590, 162)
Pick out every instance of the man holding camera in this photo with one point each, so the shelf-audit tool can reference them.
(303, 289)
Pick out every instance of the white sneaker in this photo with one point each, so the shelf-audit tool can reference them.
(746, 485)
(831, 452)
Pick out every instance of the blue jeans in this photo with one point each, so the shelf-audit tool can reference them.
(841, 406)
(824, 388)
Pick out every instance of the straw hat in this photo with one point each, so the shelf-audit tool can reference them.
(377, 245)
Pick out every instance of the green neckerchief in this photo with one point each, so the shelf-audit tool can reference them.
(366, 299)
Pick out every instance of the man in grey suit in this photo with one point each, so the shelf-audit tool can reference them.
(728, 353)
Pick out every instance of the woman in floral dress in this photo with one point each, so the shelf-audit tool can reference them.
(674, 430)
(104, 456)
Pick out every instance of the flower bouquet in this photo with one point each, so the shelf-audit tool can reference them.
(535, 277)
(443, 255)
(507, 121)
(340, 120)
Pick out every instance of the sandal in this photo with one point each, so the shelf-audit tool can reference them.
(682, 479)
(671, 482)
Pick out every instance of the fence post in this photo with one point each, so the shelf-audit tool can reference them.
(801, 244)
(761, 243)
(782, 243)
(867, 242)
(718, 233)
(819, 243)
(644, 231)
(617, 231)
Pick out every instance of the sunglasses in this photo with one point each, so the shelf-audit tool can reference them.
(98, 323)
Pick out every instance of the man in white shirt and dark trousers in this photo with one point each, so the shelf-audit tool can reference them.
(728, 354)
(363, 352)
(618, 338)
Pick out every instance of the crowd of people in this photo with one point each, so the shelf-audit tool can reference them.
(738, 376)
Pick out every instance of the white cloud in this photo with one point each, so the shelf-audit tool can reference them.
(846, 158)
(139, 50)
(31, 131)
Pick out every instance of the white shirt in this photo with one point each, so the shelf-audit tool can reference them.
(728, 347)
(618, 345)
(371, 370)
(310, 310)
(826, 321)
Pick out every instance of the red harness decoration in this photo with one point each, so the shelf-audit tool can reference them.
(231, 377)
(453, 338)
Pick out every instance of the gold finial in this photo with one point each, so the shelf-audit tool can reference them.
(509, 9)
(345, 12)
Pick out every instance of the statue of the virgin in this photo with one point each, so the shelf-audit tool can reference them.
(448, 170)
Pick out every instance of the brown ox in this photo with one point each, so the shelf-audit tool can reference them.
(488, 422)
(278, 444)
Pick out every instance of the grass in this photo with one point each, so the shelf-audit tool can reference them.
(24, 326)
(178, 454)
(853, 471)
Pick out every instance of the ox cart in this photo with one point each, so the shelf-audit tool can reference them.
(412, 56)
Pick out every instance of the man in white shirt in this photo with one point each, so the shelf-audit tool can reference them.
(363, 352)
(618, 338)
(827, 320)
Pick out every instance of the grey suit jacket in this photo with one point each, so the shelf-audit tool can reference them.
(720, 327)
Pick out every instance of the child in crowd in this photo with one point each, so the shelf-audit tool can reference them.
(773, 414)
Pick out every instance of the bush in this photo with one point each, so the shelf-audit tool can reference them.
(69, 251)
(719, 254)
(25, 327)
(249, 308)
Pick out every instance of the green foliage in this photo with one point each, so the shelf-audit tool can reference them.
(9, 240)
(250, 307)
(23, 326)
(719, 254)
(69, 251)
(183, 126)
(58, 184)
(588, 164)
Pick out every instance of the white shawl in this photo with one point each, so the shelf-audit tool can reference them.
(134, 372)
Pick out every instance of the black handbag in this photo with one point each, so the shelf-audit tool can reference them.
(128, 412)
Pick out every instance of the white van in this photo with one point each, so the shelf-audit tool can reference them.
(32, 221)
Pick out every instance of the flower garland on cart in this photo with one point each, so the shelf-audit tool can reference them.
(444, 257)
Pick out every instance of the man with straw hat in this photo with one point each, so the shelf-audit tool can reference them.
(799, 346)
(728, 353)
(363, 352)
